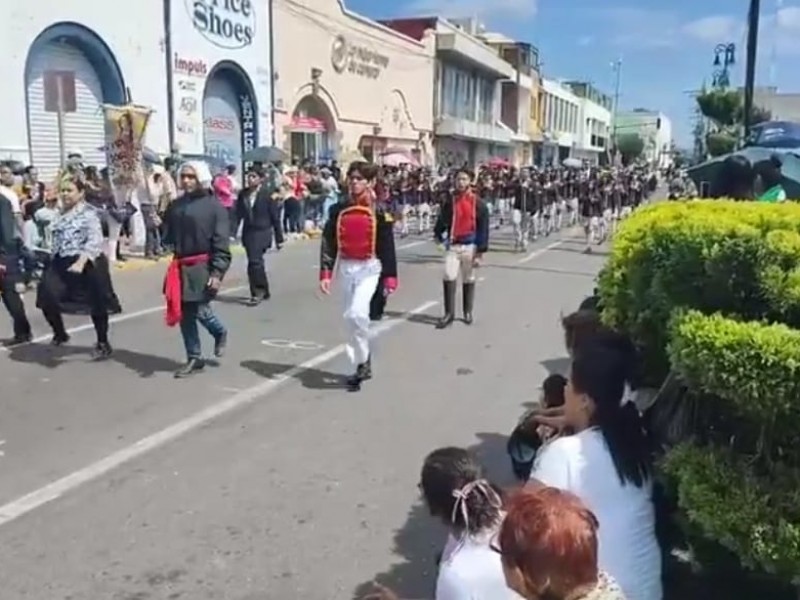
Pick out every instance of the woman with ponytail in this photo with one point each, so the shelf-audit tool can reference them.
(456, 492)
(607, 464)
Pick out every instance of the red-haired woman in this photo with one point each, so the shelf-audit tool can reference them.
(548, 546)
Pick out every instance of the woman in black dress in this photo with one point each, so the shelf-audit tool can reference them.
(78, 269)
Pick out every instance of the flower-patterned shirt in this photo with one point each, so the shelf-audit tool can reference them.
(606, 589)
(78, 231)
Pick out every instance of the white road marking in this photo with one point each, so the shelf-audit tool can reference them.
(537, 253)
(2, 452)
(292, 344)
(121, 318)
(412, 245)
(52, 491)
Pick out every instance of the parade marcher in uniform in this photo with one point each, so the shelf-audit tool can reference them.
(261, 218)
(10, 274)
(78, 271)
(463, 227)
(197, 228)
(359, 236)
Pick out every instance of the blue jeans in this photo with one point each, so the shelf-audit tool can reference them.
(194, 313)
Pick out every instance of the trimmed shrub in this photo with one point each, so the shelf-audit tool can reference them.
(713, 256)
(710, 292)
(755, 516)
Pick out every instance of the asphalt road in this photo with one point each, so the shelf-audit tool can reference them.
(262, 478)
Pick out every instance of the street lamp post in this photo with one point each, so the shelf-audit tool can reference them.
(750, 70)
(617, 66)
(724, 58)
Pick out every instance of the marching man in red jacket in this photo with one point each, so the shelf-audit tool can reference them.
(463, 228)
(359, 237)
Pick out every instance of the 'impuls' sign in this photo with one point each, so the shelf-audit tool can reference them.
(225, 23)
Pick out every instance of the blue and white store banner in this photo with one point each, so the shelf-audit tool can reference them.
(221, 77)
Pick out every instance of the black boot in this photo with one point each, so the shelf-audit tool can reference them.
(468, 292)
(449, 288)
(363, 373)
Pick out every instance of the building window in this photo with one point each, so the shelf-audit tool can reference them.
(486, 90)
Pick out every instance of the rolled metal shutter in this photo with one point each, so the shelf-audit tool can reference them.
(84, 129)
(222, 123)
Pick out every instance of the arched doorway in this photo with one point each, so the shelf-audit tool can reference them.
(312, 131)
(75, 60)
(230, 114)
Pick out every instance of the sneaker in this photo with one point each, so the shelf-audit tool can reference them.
(192, 366)
(102, 351)
(60, 340)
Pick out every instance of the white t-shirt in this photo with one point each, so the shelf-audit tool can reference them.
(12, 197)
(628, 550)
(471, 570)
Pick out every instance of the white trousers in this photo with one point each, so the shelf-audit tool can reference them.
(359, 280)
(459, 259)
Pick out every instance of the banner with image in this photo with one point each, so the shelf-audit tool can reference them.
(125, 131)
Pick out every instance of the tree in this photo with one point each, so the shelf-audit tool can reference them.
(723, 107)
(719, 143)
(630, 145)
(757, 115)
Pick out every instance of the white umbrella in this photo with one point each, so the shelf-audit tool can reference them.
(395, 159)
(572, 163)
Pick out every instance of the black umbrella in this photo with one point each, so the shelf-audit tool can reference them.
(265, 154)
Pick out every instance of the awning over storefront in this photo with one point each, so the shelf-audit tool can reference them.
(307, 125)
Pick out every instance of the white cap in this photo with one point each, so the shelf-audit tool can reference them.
(201, 171)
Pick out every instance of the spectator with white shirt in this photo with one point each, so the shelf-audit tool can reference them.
(456, 492)
(607, 463)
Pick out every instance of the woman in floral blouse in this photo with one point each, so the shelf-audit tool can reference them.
(548, 545)
(78, 269)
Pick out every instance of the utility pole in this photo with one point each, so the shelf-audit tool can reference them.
(750, 69)
(617, 66)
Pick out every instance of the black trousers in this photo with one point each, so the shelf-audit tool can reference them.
(256, 244)
(12, 300)
(57, 284)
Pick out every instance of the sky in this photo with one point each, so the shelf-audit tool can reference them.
(666, 47)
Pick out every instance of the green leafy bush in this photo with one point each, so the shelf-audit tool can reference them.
(710, 291)
(738, 258)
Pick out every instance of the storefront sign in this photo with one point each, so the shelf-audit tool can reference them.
(248, 123)
(193, 67)
(358, 60)
(188, 105)
(225, 23)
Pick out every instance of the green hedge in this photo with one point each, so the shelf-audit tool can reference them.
(755, 366)
(710, 290)
(755, 516)
(737, 258)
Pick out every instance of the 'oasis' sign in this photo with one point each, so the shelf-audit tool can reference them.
(225, 23)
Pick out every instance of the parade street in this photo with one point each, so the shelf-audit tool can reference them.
(262, 478)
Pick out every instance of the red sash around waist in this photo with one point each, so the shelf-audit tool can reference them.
(173, 292)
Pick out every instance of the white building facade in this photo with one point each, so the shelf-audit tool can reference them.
(561, 122)
(202, 66)
(468, 78)
(594, 133)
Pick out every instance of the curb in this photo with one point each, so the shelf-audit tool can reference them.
(137, 263)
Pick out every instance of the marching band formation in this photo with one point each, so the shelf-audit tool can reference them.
(357, 244)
